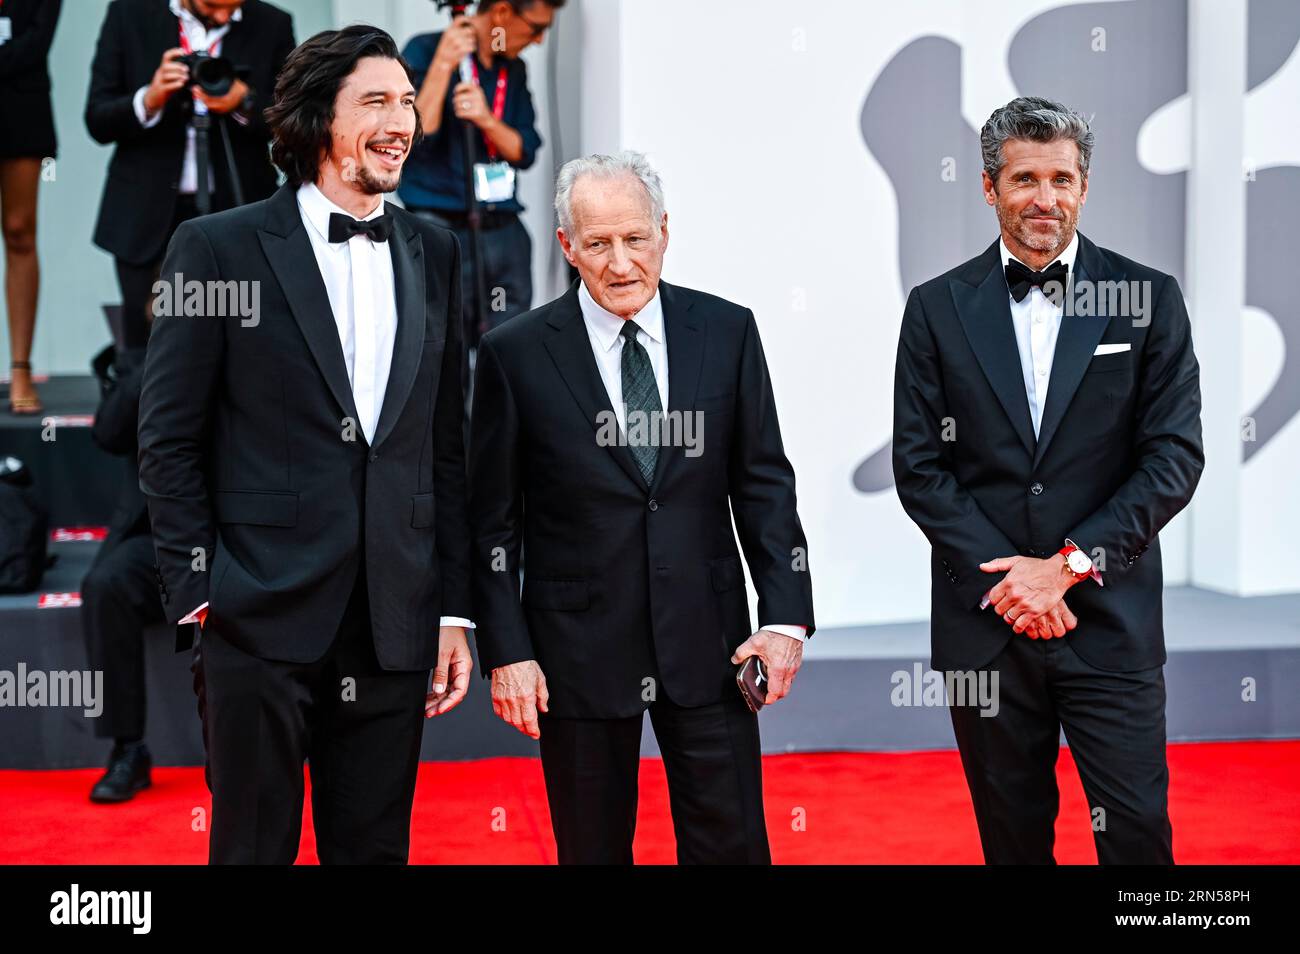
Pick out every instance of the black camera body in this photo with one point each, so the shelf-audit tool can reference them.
(214, 75)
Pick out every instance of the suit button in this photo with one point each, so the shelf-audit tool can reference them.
(374, 457)
(1035, 488)
(654, 504)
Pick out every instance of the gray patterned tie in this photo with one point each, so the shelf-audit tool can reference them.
(640, 393)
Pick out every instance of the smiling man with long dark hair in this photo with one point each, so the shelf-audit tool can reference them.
(304, 468)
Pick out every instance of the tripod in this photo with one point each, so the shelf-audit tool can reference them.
(202, 122)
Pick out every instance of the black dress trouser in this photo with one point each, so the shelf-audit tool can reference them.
(715, 783)
(119, 600)
(136, 280)
(1114, 723)
(357, 726)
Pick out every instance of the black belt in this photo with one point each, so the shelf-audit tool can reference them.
(488, 218)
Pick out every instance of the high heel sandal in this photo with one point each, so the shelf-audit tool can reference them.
(26, 405)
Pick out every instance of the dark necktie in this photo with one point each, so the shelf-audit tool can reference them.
(1021, 278)
(640, 394)
(343, 227)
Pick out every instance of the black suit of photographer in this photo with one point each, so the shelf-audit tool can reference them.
(119, 596)
(142, 203)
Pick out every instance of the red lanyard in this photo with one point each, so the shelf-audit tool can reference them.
(498, 102)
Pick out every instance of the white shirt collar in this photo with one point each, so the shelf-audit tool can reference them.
(184, 14)
(318, 208)
(607, 326)
(1066, 257)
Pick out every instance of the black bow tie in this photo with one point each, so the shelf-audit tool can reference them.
(343, 227)
(1021, 278)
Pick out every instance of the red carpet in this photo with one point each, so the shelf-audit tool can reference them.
(1231, 803)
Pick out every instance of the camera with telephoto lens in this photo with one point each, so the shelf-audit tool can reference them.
(212, 74)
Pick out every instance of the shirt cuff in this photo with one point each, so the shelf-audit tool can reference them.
(148, 122)
(794, 632)
(193, 617)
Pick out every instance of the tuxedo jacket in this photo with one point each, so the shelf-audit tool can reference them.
(1117, 455)
(245, 451)
(631, 589)
(139, 198)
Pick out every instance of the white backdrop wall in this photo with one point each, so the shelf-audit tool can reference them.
(804, 151)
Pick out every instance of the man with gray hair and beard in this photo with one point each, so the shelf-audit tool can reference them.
(1043, 436)
(634, 594)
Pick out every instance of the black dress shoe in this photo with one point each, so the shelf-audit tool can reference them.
(128, 773)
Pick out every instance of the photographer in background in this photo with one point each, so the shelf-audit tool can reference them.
(498, 103)
(119, 595)
(143, 98)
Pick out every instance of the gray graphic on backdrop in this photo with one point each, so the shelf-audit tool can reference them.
(942, 221)
(1272, 203)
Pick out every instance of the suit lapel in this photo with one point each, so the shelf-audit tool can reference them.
(234, 45)
(684, 338)
(570, 349)
(407, 249)
(983, 307)
(1075, 343)
(289, 252)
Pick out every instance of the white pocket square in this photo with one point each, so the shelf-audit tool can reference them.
(1112, 348)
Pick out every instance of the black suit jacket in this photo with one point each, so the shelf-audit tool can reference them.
(242, 447)
(626, 582)
(139, 197)
(1118, 454)
(114, 430)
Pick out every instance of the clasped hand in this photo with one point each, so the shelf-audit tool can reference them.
(1031, 597)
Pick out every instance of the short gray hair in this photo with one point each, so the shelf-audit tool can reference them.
(1036, 119)
(626, 163)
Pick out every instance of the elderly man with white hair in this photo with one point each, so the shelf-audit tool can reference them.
(616, 432)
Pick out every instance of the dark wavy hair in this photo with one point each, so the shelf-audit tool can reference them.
(303, 108)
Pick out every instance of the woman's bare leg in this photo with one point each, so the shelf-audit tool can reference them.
(19, 182)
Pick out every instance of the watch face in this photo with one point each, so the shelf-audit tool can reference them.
(1078, 562)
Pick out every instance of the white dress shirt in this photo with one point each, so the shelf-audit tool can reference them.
(358, 278)
(201, 38)
(1038, 322)
(605, 331)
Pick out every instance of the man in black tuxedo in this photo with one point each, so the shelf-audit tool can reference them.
(140, 100)
(1046, 427)
(634, 595)
(305, 470)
